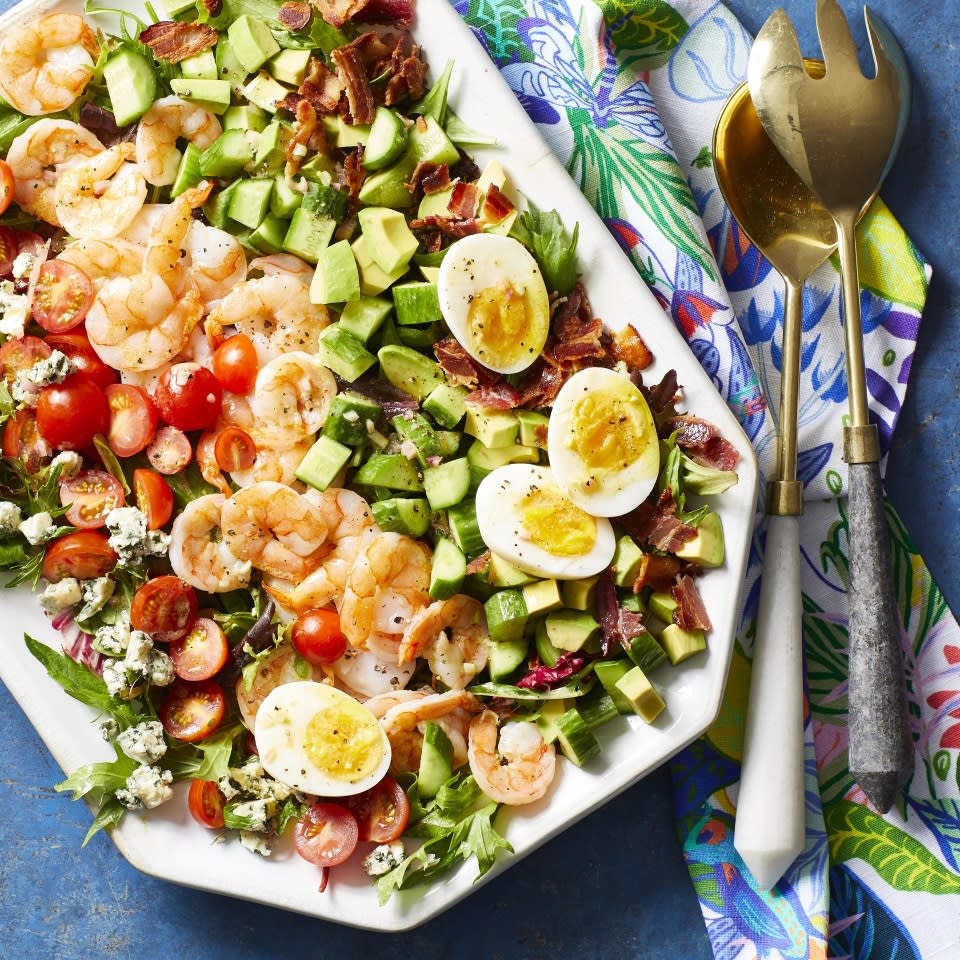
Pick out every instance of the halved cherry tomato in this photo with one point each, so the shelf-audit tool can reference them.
(193, 711)
(90, 496)
(206, 804)
(7, 184)
(85, 554)
(235, 364)
(154, 497)
(189, 396)
(326, 834)
(317, 637)
(76, 346)
(165, 607)
(62, 296)
(32, 243)
(170, 452)
(201, 652)
(234, 449)
(21, 354)
(133, 418)
(72, 413)
(8, 250)
(382, 812)
(21, 439)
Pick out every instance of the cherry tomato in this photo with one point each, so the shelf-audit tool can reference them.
(326, 834)
(133, 418)
(7, 184)
(164, 607)
(235, 364)
(205, 802)
(21, 439)
(189, 396)
(9, 247)
(90, 496)
(21, 354)
(192, 711)
(76, 346)
(317, 637)
(62, 296)
(234, 449)
(154, 497)
(72, 413)
(85, 554)
(382, 812)
(32, 243)
(201, 652)
(170, 451)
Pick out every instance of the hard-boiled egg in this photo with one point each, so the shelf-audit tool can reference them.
(602, 443)
(494, 301)
(318, 739)
(527, 519)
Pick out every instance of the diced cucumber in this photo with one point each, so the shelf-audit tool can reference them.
(250, 202)
(364, 316)
(447, 483)
(343, 353)
(227, 155)
(409, 370)
(245, 117)
(429, 442)
(447, 570)
(680, 644)
(575, 738)
(336, 278)
(642, 695)
(609, 672)
(428, 142)
(506, 615)
(349, 416)
(546, 651)
(175, 7)
(631, 601)
(422, 338)
(319, 170)
(505, 656)
(212, 95)
(447, 404)
(268, 237)
(464, 528)
(407, 515)
(215, 209)
(387, 140)
(597, 707)
(391, 470)
(326, 201)
(416, 303)
(323, 461)
(285, 200)
(309, 236)
(229, 68)
(200, 66)
(131, 85)
(645, 652)
(188, 174)
(502, 573)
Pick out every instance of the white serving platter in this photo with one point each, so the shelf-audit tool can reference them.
(167, 843)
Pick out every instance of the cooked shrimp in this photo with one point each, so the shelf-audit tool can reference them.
(36, 158)
(282, 265)
(171, 119)
(275, 668)
(217, 261)
(452, 635)
(276, 461)
(516, 770)
(362, 675)
(102, 260)
(389, 579)
(46, 64)
(198, 553)
(278, 530)
(293, 394)
(99, 196)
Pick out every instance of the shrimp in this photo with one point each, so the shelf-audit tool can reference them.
(362, 675)
(102, 260)
(278, 530)
(388, 580)
(46, 64)
(277, 667)
(282, 265)
(293, 394)
(452, 635)
(171, 119)
(36, 158)
(276, 461)
(198, 553)
(516, 770)
(217, 261)
(99, 196)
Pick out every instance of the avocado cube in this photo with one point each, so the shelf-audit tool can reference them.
(250, 202)
(447, 404)
(662, 606)
(131, 84)
(542, 596)
(533, 428)
(323, 461)
(502, 573)
(627, 560)
(391, 470)
(373, 279)
(388, 187)
(506, 615)
(550, 711)
(343, 353)
(493, 428)
(571, 629)
(430, 274)
(388, 238)
(429, 143)
(608, 673)
(364, 316)
(679, 644)
(579, 594)
(351, 418)
(201, 66)
(229, 67)
(631, 601)
(435, 204)
(289, 66)
(263, 91)
(336, 278)
(546, 651)
(252, 42)
(707, 547)
(643, 696)
(436, 760)
(409, 370)
(489, 459)
(285, 200)
(175, 7)
(346, 135)
(245, 117)
(272, 148)
(213, 95)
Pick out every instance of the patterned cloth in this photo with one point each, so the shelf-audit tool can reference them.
(626, 92)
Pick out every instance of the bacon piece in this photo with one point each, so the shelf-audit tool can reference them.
(479, 563)
(213, 7)
(174, 41)
(353, 173)
(577, 332)
(428, 178)
(702, 442)
(447, 225)
(464, 200)
(496, 205)
(656, 572)
(658, 525)
(399, 12)
(349, 60)
(461, 369)
(497, 396)
(664, 393)
(290, 102)
(295, 14)
(306, 131)
(628, 346)
(541, 384)
(406, 73)
(690, 614)
(617, 625)
(668, 532)
(338, 12)
(322, 87)
(546, 678)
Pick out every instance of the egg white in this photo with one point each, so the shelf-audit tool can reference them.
(481, 262)
(281, 731)
(500, 518)
(602, 492)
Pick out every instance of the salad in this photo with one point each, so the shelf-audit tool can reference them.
(350, 512)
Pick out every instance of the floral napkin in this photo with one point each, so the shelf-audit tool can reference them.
(626, 92)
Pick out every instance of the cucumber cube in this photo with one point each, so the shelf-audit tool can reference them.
(407, 515)
(447, 404)
(506, 615)
(323, 461)
(447, 483)
(447, 570)
(575, 738)
(201, 66)
(343, 353)
(416, 303)
(350, 418)
(364, 316)
(609, 673)
(250, 202)
(268, 237)
(391, 470)
(308, 237)
(462, 518)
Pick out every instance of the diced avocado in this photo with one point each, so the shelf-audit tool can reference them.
(373, 280)
(388, 238)
(416, 303)
(391, 470)
(188, 173)
(250, 202)
(645, 700)
(387, 140)
(346, 135)
(349, 417)
(502, 573)
(364, 316)
(542, 596)
(436, 760)
(464, 528)
(175, 7)
(493, 173)
(430, 274)
(662, 606)
(264, 92)
(579, 594)
(201, 66)
(289, 66)
(213, 95)
(215, 209)
(597, 707)
(680, 644)
(447, 570)
(409, 370)
(447, 404)
(483, 457)
(645, 652)
(493, 428)
(252, 42)
(707, 547)
(407, 515)
(131, 85)
(421, 337)
(268, 236)
(245, 117)
(343, 353)
(324, 460)
(285, 200)
(627, 558)
(436, 204)
(570, 629)
(308, 237)
(227, 155)
(505, 656)
(447, 483)
(229, 68)
(551, 711)
(575, 738)
(336, 278)
(429, 143)
(388, 187)
(533, 428)
(608, 673)
(502, 227)
(272, 148)
(506, 615)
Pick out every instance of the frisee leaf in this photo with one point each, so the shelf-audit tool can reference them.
(207, 759)
(543, 233)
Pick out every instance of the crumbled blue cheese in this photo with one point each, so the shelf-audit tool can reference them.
(129, 536)
(151, 664)
(95, 594)
(112, 639)
(53, 369)
(255, 842)
(255, 813)
(144, 742)
(10, 518)
(38, 529)
(22, 265)
(61, 595)
(14, 310)
(109, 729)
(115, 677)
(252, 779)
(383, 859)
(69, 462)
(147, 787)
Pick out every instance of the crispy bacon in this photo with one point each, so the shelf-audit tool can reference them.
(690, 614)
(668, 532)
(656, 572)
(457, 364)
(408, 73)
(428, 178)
(174, 41)
(662, 394)
(702, 442)
(338, 12)
(449, 226)
(577, 332)
(542, 677)
(541, 384)
(496, 205)
(617, 625)
(464, 200)
(353, 173)
(628, 346)
(295, 14)
(350, 63)
(399, 12)
(479, 563)
(308, 132)
(322, 87)
(497, 396)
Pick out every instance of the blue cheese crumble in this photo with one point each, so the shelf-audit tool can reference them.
(14, 310)
(112, 639)
(252, 780)
(129, 537)
(144, 742)
(53, 369)
(10, 518)
(254, 813)
(60, 596)
(38, 529)
(147, 787)
(69, 462)
(383, 859)
(144, 659)
(255, 842)
(94, 596)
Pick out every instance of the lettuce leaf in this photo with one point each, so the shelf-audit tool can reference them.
(553, 248)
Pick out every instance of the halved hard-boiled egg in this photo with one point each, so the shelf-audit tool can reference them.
(602, 442)
(319, 740)
(494, 301)
(525, 517)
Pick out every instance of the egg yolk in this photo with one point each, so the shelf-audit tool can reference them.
(608, 432)
(345, 743)
(498, 320)
(555, 524)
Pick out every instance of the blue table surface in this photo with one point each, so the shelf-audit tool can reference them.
(615, 884)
